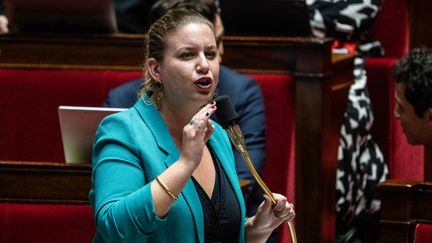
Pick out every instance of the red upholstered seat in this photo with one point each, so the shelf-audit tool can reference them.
(392, 30)
(278, 92)
(45, 223)
(279, 168)
(423, 233)
(29, 99)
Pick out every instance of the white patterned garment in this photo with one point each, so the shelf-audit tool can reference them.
(345, 16)
(346, 20)
(361, 164)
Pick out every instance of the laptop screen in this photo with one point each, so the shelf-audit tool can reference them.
(265, 17)
(78, 126)
(61, 16)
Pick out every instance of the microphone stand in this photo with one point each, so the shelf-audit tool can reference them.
(236, 137)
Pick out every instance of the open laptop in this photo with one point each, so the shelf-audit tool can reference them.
(61, 16)
(265, 17)
(78, 126)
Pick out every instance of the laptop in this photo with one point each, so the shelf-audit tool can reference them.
(265, 17)
(61, 16)
(78, 126)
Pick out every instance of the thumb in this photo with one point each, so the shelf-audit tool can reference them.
(267, 203)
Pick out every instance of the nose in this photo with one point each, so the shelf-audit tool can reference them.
(203, 64)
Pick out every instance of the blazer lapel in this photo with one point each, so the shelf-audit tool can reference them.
(156, 124)
(152, 118)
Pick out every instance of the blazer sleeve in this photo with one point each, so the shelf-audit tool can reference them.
(120, 195)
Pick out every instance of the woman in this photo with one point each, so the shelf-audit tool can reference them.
(162, 171)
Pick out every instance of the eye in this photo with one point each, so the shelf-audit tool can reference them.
(186, 55)
(211, 54)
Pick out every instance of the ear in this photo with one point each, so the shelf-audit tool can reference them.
(153, 69)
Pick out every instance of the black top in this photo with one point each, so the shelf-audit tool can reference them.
(221, 212)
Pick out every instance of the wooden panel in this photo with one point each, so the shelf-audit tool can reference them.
(125, 52)
(320, 105)
(112, 52)
(404, 204)
(397, 231)
(277, 54)
(44, 182)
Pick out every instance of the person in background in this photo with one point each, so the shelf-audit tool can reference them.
(413, 75)
(131, 15)
(3, 20)
(162, 171)
(244, 92)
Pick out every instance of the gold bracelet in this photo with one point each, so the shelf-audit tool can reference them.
(167, 190)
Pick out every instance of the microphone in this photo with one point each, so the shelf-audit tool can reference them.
(228, 119)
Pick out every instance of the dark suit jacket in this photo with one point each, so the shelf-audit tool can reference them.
(247, 99)
(132, 15)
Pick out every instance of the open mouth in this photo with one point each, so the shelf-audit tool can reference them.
(204, 83)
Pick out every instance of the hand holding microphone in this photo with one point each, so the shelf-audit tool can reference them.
(227, 117)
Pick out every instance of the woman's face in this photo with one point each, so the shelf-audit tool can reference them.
(189, 69)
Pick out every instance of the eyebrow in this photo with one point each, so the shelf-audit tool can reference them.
(192, 48)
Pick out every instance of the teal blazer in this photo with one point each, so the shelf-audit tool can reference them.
(130, 149)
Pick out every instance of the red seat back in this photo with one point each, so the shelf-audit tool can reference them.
(391, 27)
(423, 233)
(279, 167)
(29, 99)
(45, 223)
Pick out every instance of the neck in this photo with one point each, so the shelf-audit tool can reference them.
(176, 118)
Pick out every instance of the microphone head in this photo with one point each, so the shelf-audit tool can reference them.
(225, 113)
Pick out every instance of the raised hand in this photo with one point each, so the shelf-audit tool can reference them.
(196, 134)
